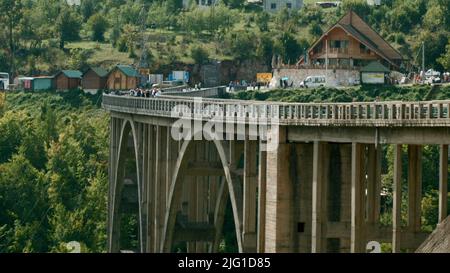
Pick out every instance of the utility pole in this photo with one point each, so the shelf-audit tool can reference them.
(423, 57)
(326, 61)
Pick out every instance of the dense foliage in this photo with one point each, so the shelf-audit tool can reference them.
(39, 36)
(53, 172)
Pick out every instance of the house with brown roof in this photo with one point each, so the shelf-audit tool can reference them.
(351, 43)
(67, 79)
(122, 77)
(94, 79)
(340, 53)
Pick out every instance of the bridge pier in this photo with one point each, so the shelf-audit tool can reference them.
(321, 155)
(443, 182)
(279, 196)
(249, 235)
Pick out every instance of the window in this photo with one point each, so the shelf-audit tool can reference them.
(332, 61)
(344, 62)
(339, 43)
(289, 5)
(273, 6)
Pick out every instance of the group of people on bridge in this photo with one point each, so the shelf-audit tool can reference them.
(145, 93)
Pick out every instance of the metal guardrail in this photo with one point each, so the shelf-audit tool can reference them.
(370, 114)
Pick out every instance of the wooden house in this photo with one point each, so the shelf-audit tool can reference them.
(351, 44)
(122, 77)
(94, 79)
(67, 79)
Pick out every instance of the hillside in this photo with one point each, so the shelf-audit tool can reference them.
(108, 32)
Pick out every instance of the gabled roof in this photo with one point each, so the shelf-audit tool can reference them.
(128, 70)
(353, 25)
(352, 19)
(375, 66)
(72, 74)
(101, 72)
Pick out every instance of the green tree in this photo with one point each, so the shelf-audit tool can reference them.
(88, 8)
(68, 26)
(98, 26)
(444, 60)
(288, 47)
(199, 55)
(262, 21)
(12, 12)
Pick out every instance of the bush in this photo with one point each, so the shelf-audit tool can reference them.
(199, 55)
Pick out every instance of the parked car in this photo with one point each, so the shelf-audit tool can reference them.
(432, 80)
(432, 73)
(313, 82)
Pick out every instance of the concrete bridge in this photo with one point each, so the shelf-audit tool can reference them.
(299, 177)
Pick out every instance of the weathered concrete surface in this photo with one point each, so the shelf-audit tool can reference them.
(438, 241)
(343, 77)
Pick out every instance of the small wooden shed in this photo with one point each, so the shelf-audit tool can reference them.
(68, 79)
(94, 79)
(123, 77)
(42, 83)
(374, 73)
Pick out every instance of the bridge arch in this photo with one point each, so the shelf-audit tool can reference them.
(127, 129)
(233, 193)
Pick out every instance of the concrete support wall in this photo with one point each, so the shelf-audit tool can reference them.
(250, 194)
(279, 198)
(443, 182)
(357, 242)
(345, 191)
(319, 197)
(303, 198)
(397, 199)
(414, 187)
(262, 189)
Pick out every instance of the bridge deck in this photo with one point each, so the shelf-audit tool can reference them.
(360, 114)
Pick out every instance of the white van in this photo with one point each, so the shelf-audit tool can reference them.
(4, 81)
(313, 82)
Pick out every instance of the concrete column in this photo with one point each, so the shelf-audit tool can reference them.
(262, 188)
(115, 185)
(250, 191)
(150, 154)
(144, 185)
(160, 184)
(357, 199)
(397, 196)
(319, 197)
(373, 184)
(303, 197)
(279, 196)
(346, 189)
(191, 183)
(414, 187)
(202, 186)
(443, 182)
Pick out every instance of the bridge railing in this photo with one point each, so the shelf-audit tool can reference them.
(212, 92)
(392, 113)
